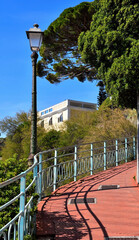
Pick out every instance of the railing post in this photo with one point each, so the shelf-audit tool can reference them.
(75, 163)
(35, 174)
(91, 160)
(105, 156)
(126, 150)
(116, 154)
(55, 170)
(134, 148)
(22, 207)
(40, 176)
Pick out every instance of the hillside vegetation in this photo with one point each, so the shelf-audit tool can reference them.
(103, 124)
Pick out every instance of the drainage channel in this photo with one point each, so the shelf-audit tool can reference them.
(81, 200)
(107, 187)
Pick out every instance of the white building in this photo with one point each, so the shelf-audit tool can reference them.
(54, 116)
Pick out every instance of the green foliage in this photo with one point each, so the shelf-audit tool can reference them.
(50, 140)
(18, 135)
(28, 237)
(8, 169)
(105, 124)
(2, 140)
(102, 93)
(76, 128)
(107, 103)
(112, 47)
(11, 124)
(18, 130)
(59, 51)
(134, 178)
(18, 141)
(74, 131)
(108, 123)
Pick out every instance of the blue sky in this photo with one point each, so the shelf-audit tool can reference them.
(16, 17)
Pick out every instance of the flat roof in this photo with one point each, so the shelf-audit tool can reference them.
(69, 100)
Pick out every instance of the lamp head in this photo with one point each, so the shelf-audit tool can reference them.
(35, 36)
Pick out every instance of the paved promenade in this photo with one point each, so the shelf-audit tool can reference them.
(97, 207)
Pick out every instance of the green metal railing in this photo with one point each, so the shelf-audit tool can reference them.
(59, 165)
(55, 167)
(22, 223)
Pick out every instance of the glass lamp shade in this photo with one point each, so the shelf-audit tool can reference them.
(35, 36)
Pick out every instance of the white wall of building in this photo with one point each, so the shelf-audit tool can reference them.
(54, 116)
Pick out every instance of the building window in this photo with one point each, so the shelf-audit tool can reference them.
(51, 109)
(42, 113)
(51, 121)
(46, 111)
(42, 123)
(60, 119)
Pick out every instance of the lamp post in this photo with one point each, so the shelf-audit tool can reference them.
(137, 137)
(35, 36)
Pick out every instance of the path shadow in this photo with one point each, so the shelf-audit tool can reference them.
(60, 225)
(65, 226)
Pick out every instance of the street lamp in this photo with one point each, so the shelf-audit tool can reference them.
(35, 36)
(137, 137)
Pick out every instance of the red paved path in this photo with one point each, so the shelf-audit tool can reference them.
(116, 212)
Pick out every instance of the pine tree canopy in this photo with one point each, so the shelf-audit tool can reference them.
(95, 40)
(60, 56)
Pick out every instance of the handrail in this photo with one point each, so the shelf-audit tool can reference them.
(88, 158)
(9, 223)
(33, 181)
(53, 167)
(22, 195)
(11, 180)
(11, 201)
(14, 179)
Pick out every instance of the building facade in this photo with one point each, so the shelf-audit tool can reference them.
(54, 116)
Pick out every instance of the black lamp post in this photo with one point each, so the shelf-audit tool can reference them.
(35, 36)
(137, 137)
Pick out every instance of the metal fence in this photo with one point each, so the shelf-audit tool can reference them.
(55, 167)
(23, 223)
